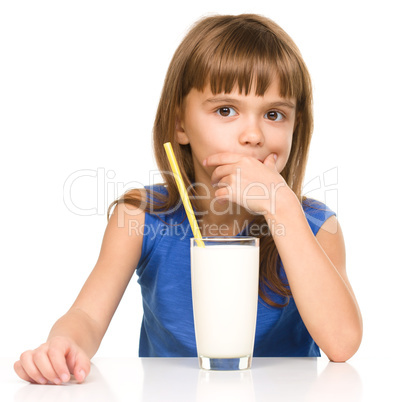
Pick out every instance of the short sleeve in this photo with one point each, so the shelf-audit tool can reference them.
(316, 213)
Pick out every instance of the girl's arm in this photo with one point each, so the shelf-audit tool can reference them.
(314, 266)
(76, 336)
(316, 270)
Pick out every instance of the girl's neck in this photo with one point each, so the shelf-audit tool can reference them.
(229, 225)
(220, 218)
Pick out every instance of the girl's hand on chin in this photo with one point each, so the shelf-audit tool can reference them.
(246, 181)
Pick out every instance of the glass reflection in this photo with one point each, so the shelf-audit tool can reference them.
(217, 386)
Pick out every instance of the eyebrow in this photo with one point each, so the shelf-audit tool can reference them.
(224, 99)
(285, 103)
(218, 99)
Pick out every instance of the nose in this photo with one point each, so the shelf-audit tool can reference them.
(252, 135)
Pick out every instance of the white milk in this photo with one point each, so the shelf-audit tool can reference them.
(225, 294)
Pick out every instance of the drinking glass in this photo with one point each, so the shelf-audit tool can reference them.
(225, 294)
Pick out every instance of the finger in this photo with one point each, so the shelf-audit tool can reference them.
(59, 363)
(21, 372)
(220, 173)
(30, 368)
(44, 365)
(223, 158)
(223, 194)
(270, 160)
(82, 366)
(78, 363)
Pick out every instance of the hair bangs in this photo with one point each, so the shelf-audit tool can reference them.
(247, 60)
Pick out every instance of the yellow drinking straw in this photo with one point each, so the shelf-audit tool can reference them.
(184, 194)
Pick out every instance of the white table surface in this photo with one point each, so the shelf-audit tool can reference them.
(180, 379)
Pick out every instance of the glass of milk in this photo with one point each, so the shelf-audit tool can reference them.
(225, 295)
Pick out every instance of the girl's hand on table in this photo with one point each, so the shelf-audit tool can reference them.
(53, 362)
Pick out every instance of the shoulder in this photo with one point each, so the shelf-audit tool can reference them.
(142, 197)
(327, 230)
(157, 188)
(156, 193)
(313, 206)
(125, 226)
(317, 214)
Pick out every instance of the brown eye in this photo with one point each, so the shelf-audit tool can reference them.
(274, 115)
(226, 111)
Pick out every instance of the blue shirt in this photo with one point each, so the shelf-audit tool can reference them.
(164, 276)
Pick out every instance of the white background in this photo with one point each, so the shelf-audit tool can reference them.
(79, 87)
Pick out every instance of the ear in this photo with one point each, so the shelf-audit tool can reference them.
(180, 133)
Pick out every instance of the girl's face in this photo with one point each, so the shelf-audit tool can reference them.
(249, 125)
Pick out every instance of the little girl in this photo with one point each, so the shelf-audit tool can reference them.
(236, 106)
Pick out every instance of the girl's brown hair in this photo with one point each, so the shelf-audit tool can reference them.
(233, 51)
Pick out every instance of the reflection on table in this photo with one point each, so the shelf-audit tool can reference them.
(283, 379)
(162, 379)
